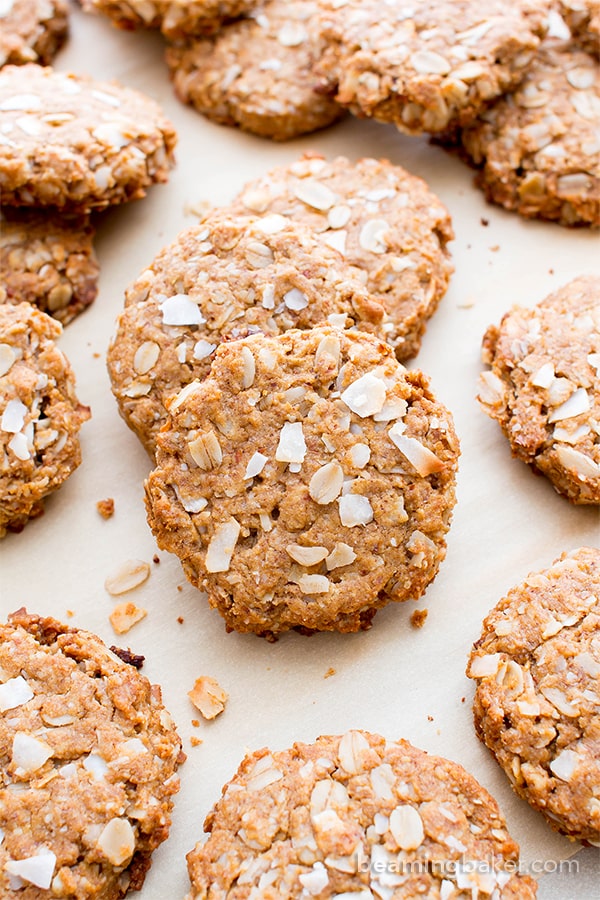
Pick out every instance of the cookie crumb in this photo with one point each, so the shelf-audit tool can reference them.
(430, 718)
(132, 659)
(96, 355)
(208, 697)
(129, 575)
(330, 671)
(180, 619)
(106, 508)
(484, 222)
(125, 616)
(156, 559)
(70, 613)
(495, 248)
(180, 588)
(196, 723)
(417, 619)
(195, 742)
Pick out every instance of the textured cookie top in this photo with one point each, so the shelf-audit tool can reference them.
(540, 146)
(357, 817)
(88, 755)
(40, 416)
(175, 18)
(380, 218)
(428, 64)
(257, 73)
(48, 260)
(227, 277)
(544, 386)
(537, 667)
(583, 18)
(32, 30)
(308, 481)
(69, 142)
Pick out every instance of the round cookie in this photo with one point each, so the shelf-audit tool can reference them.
(48, 260)
(72, 143)
(382, 219)
(538, 148)
(544, 386)
(306, 482)
(40, 415)
(257, 73)
(355, 816)
(583, 18)
(537, 668)
(175, 18)
(32, 30)
(88, 755)
(225, 278)
(427, 65)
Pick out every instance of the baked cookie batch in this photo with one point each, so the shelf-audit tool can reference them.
(303, 475)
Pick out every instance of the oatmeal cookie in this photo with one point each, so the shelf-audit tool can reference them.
(583, 18)
(225, 278)
(382, 219)
(257, 73)
(537, 669)
(428, 64)
(175, 18)
(40, 414)
(48, 260)
(355, 816)
(538, 148)
(306, 482)
(32, 31)
(544, 386)
(75, 144)
(88, 755)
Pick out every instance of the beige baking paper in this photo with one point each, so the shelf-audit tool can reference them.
(394, 679)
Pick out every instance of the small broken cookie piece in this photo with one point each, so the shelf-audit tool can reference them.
(208, 697)
(257, 73)
(355, 816)
(537, 669)
(428, 65)
(306, 482)
(538, 148)
(89, 761)
(543, 386)
(40, 415)
(379, 218)
(32, 31)
(583, 18)
(125, 616)
(175, 18)
(48, 260)
(75, 144)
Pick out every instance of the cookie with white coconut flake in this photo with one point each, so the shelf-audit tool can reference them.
(257, 73)
(537, 669)
(356, 817)
(75, 144)
(538, 148)
(307, 482)
(88, 758)
(544, 386)
(48, 260)
(32, 30)
(583, 18)
(40, 415)
(225, 278)
(175, 18)
(380, 218)
(427, 65)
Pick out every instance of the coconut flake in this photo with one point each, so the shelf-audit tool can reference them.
(117, 841)
(306, 556)
(292, 446)
(27, 102)
(8, 357)
(360, 454)
(419, 456)
(406, 827)
(482, 666)
(202, 349)
(565, 764)
(316, 880)
(314, 584)
(544, 376)
(180, 310)
(575, 405)
(271, 224)
(326, 483)
(29, 753)
(314, 194)
(129, 575)
(19, 446)
(355, 510)
(341, 555)
(365, 396)
(295, 299)
(221, 546)
(96, 765)
(37, 870)
(13, 417)
(256, 464)
(578, 462)
(14, 692)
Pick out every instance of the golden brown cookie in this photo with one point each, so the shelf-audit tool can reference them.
(257, 73)
(426, 65)
(583, 18)
(32, 30)
(48, 260)
(544, 386)
(380, 218)
(355, 817)
(537, 668)
(40, 415)
(76, 144)
(88, 757)
(175, 18)
(225, 278)
(306, 482)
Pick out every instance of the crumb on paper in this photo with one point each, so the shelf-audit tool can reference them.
(132, 659)
(106, 508)
(463, 699)
(195, 742)
(467, 303)
(330, 671)
(70, 613)
(125, 616)
(180, 588)
(196, 723)
(156, 559)
(417, 619)
(129, 575)
(180, 619)
(430, 718)
(208, 697)
(495, 248)
(96, 355)
(484, 222)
